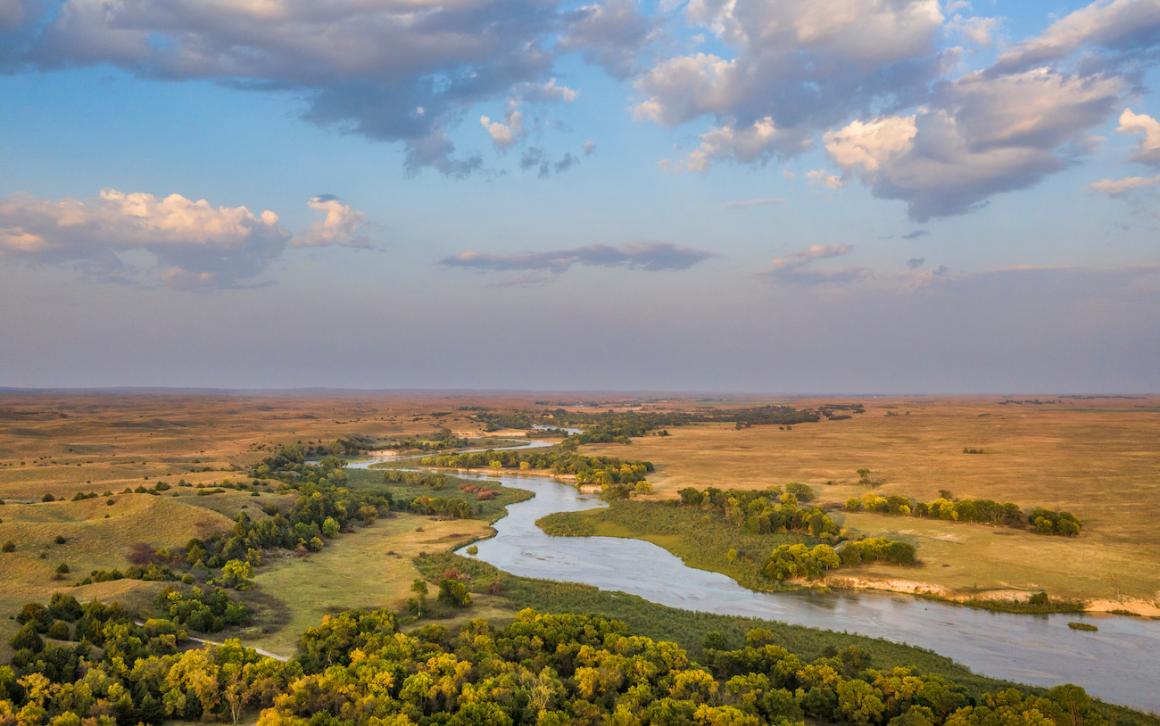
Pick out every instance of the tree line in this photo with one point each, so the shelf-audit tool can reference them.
(985, 511)
(616, 478)
(622, 426)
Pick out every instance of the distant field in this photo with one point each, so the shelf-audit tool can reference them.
(1099, 459)
(63, 443)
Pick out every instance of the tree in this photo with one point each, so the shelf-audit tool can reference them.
(330, 528)
(419, 587)
(454, 593)
(236, 574)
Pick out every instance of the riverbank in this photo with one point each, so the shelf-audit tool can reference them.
(707, 542)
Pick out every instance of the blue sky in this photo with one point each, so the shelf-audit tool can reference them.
(840, 195)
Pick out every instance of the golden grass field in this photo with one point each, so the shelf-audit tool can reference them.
(1099, 459)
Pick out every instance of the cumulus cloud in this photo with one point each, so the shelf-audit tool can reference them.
(1148, 152)
(647, 256)
(192, 243)
(143, 239)
(1120, 187)
(984, 135)
(798, 268)
(611, 34)
(800, 65)
(756, 143)
(398, 70)
(1118, 27)
(547, 92)
(340, 226)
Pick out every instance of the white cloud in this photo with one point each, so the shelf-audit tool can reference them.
(397, 70)
(506, 132)
(193, 243)
(824, 178)
(756, 143)
(803, 64)
(341, 225)
(985, 135)
(548, 91)
(1119, 187)
(867, 145)
(1148, 151)
(1119, 26)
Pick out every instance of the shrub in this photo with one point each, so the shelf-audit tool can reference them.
(9, 546)
(59, 630)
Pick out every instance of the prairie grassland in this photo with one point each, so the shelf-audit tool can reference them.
(969, 560)
(97, 536)
(369, 568)
(1099, 459)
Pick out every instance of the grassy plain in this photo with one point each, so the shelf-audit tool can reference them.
(369, 568)
(1099, 459)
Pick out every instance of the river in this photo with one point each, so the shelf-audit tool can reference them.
(1119, 664)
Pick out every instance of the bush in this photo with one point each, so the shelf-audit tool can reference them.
(59, 630)
(60, 539)
(9, 546)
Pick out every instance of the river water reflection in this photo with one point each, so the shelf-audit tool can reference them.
(1120, 663)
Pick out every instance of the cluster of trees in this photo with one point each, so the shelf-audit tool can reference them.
(616, 478)
(564, 669)
(209, 610)
(427, 479)
(878, 549)
(799, 560)
(778, 511)
(150, 573)
(438, 440)
(438, 507)
(985, 511)
(1048, 521)
(765, 511)
(100, 666)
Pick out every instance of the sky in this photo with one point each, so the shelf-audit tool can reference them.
(802, 196)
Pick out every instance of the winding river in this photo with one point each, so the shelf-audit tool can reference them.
(1120, 663)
